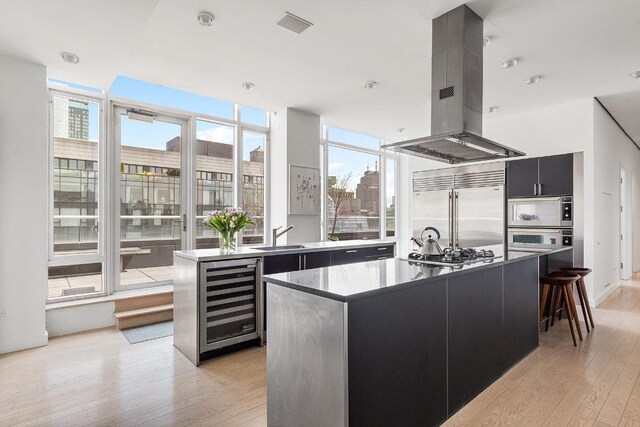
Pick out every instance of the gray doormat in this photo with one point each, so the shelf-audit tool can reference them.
(148, 332)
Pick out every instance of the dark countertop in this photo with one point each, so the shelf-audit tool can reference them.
(352, 281)
(252, 252)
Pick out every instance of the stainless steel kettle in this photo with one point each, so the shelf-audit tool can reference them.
(429, 246)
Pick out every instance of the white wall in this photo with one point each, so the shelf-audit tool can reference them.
(612, 150)
(23, 196)
(295, 140)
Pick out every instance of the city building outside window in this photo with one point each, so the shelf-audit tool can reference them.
(354, 165)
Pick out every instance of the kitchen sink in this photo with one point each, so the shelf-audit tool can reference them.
(278, 248)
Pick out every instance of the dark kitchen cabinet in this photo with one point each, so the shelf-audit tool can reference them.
(475, 334)
(379, 252)
(316, 260)
(556, 175)
(520, 324)
(540, 176)
(281, 263)
(392, 383)
(522, 177)
(347, 256)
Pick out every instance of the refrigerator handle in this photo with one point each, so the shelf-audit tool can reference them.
(455, 206)
(451, 218)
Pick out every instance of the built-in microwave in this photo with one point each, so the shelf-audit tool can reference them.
(540, 212)
(531, 238)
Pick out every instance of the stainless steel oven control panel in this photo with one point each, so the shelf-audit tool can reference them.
(532, 238)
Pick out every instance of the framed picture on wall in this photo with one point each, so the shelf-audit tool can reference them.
(304, 190)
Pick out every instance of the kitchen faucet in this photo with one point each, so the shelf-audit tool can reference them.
(276, 234)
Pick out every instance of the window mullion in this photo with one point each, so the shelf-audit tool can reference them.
(238, 177)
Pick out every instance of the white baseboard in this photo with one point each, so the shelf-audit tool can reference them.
(69, 320)
(603, 296)
(9, 346)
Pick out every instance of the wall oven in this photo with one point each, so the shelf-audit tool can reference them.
(532, 238)
(540, 212)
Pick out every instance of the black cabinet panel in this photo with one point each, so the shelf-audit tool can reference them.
(520, 323)
(317, 259)
(556, 175)
(397, 358)
(553, 176)
(475, 334)
(522, 176)
(281, 263)
(378, 251)
(347, 256)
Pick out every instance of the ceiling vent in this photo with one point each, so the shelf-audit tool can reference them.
(293, 23)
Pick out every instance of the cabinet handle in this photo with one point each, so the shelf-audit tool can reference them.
(535, 189)
(382, 249)
(382, 257)
(539, 189)
(352, 251)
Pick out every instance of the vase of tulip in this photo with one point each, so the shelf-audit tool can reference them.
(228, 222)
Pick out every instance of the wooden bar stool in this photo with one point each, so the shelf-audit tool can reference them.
(561, 285)
(582, 292)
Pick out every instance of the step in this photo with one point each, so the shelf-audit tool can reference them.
(143, 301)
(143, 316)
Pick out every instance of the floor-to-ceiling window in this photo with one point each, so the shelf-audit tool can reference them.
(253, 195)
(172, 157)
(76, 204)
(359, 186)
(214, 175)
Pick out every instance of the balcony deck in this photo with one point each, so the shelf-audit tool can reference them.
(131, 276)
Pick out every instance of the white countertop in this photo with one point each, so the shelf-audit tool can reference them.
(251, 252)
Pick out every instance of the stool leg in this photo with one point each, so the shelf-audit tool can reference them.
(586, 301)
(556, 306)
(572, 311)
(552, 303)
(582, 303)
(565, 295)
(543, 300)
(562, 309)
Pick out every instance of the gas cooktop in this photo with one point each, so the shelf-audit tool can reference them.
(454, 257)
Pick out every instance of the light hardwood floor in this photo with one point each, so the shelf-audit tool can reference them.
(98, 378)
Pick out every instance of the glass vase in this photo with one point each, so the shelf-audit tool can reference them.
(227, 242)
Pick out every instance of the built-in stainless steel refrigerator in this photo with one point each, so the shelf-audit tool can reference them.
(466, 204)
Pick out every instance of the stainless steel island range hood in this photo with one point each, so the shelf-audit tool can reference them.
(456, 95)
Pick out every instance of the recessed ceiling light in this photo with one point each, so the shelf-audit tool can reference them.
(486, 41)
(510, 63)
(247, 85)
(370, 84)
(635, 75)
(70, 58)
(532, 80)
(492, 109)
(205, 19)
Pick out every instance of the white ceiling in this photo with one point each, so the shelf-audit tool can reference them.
(582, 48)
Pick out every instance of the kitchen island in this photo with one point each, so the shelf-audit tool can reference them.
(393, 342)
(219, 297)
